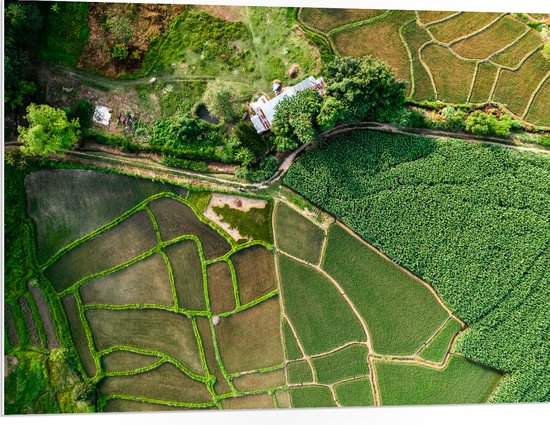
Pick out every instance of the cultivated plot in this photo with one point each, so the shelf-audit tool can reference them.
(380, 314)
(159, 315)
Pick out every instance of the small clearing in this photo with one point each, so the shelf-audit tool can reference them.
(240, 203)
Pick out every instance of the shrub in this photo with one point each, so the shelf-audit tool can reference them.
(120, 52)
(411, 118)
(223, 101)
(332, 112)
(266, 168)
(247, 136)
(120, 28)
(479, 122)
(454, 117)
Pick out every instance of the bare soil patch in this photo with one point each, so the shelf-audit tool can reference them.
(254, 331)
(227, 13)
(240, 203)
(221, 386)
(255, 381)
(175, 219)
(45, 315)
(158, 330)
(255, 269)
(123, 405)
(122, 361)
(79, 335)
(115, 246)
(12, 329)
(220, 287)
(257, 401)
(34, 336)
(146, 282)
(166, 382)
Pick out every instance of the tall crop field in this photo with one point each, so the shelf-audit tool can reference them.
(472, 220)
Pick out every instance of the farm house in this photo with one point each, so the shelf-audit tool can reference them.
(263, 109)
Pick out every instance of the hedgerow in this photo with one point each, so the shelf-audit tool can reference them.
(472, 220)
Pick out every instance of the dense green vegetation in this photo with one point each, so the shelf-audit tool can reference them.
(306, 306)
(401, 312)
(49, 131)
(22, 23)
(470, 219)
(439, 345)
(254, 223)
(65, 32)
(462, 381)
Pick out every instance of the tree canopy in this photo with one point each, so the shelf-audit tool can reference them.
(295, 119)
(22, 22)
(223, 101)
(49, 131)
(366, 87)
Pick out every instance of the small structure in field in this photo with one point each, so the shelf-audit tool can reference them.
(263, 109)
(102, 115)
(216, 320)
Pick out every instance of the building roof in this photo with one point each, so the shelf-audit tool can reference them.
(265, 109)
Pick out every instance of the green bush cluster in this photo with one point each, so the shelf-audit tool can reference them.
(188, 137)
(472, 220)
(479, 122)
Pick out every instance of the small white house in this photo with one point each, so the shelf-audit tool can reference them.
(102, 115)
(264, 109)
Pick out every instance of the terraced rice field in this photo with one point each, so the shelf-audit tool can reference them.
(455, 57)
(140, 293)
(188, 317)
(380, 315)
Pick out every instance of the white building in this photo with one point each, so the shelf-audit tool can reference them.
(264, 109)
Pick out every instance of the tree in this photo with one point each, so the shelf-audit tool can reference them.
(49, 131)
(22, 23)
(332, 111)
(295, 120)
(223, 101)
(366, 87)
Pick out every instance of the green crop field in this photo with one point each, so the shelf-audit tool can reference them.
(471, 220)
(348, 362)
(311, 396)
(306, 304)
(400, 311)
(438, 54)
(297, 235)
(438, 347)
(357, 392)
(462, 381)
